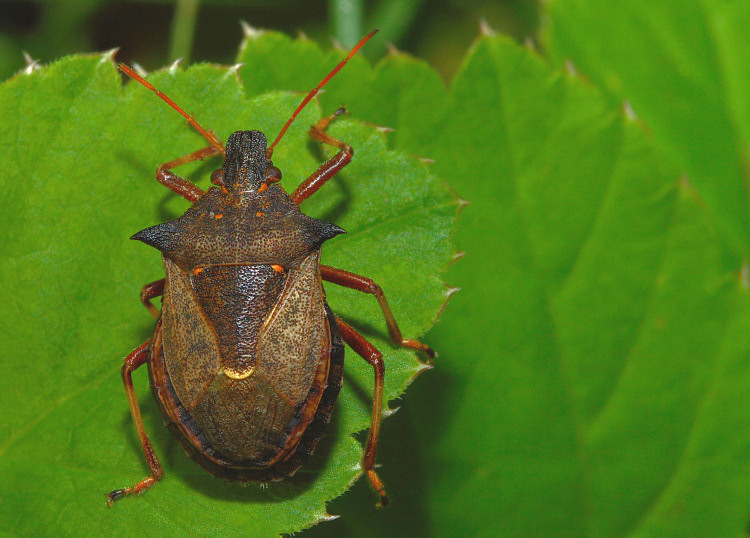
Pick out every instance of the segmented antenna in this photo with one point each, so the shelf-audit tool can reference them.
(208, 135)
(314, 91)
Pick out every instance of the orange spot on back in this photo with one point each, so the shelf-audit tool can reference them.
(197, 271)
(278, 268)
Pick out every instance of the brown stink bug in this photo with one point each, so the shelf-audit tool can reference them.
(246, 359)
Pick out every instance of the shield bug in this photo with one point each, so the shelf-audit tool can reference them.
(246, 359)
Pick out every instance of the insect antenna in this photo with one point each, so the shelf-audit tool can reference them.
(208, 135)
(314, 91)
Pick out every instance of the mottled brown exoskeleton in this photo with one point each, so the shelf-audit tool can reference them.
(247, 358)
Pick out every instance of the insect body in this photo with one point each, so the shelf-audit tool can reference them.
(247, 358)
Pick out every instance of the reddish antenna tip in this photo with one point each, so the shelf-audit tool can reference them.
(314, 91)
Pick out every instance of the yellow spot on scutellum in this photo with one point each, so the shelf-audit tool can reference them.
(239, 374)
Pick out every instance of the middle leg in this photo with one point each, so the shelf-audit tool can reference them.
(367, 285)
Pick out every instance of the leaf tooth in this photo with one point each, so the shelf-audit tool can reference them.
(570, 67)
(449, 292)
(689, 189)
(485, 28)
(138, 68)
(234, 70)
(393, 50)
(325, 516)
(627, 107)
(423, 367)
(175, 66)
(389, 412)
(250, 32)
(456, 256)
(31, 64)
(109, 55)
(337, 45)
(745, 276)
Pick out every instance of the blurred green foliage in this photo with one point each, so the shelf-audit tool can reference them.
(147, 32)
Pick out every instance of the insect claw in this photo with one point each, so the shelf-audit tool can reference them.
(112, 496)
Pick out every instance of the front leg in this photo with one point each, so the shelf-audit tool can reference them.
(150, 291)
(329, 168)
(367, 285)
(182, 186)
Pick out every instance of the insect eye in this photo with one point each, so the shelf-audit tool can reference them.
(273, 174)
(217, 177)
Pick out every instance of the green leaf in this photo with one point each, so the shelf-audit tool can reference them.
(593, 371)
(683, 67)
(593, 375)
(79, 180)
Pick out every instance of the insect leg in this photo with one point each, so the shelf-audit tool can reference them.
(367, 285)
(149, 291)
(329, 168)
(134, 360)
(181, 186)
(370, 353)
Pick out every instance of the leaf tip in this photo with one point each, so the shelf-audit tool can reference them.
(485, 29)
(250, 32)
